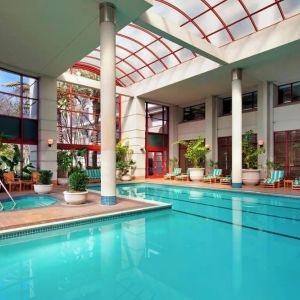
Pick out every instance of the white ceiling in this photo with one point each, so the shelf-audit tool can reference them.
(280, 65)
(45, 37)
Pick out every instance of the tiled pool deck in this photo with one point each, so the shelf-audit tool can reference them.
(61, 212)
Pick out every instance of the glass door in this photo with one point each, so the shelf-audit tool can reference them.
(155, 164)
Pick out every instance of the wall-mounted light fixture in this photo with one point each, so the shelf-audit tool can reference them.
(207, 146)
(260, 143)
(142, 149)
(50, 142)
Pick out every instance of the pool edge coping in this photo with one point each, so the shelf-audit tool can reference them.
(42, 227)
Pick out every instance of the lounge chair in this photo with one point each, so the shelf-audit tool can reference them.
(176, 172)
(296, 184)
(11, 181)
(275, 180)
(94, 175)
(226, 180)
(216, 174)
(34, 180)
(184, 176)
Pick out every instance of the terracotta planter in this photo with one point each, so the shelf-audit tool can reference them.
(75, 197)
(196, 174)
(251, 176)
(43, 188)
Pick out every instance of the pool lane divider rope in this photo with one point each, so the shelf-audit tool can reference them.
(240, 225)
(243, 201)
(228, 208)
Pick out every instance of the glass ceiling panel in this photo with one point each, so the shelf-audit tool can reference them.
(141, 53)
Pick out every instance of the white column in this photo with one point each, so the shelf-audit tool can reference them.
(237, 128)
(47, 124)
(133, 130)
(265, 122)
(211, 129)
(108, 104)
(174, 119)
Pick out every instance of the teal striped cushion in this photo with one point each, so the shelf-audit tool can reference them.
(226, 179)
(296, 182)
(270, 181)
(177, 171)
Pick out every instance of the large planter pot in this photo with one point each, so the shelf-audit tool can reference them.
(118, 174)
(126, 177)
(196, 174)
(251, 176)
(62, 181)
(75, 197)
(43, 188)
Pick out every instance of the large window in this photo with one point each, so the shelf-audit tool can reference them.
(157, 140)
(249, 103)
(288, 93)
(78, 120)
(195, 112)
(287, 152)
(19, 114)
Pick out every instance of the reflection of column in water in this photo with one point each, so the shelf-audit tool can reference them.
(237, 244)
(110, 253)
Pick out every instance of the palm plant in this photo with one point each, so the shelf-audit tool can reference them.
(195, 150)
(250, 151)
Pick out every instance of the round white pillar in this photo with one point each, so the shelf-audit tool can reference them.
(236, 128)
(108, 103)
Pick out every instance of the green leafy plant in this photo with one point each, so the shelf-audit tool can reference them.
(13, 160)
(272, 166)
(64, 162)
(78, 181)
(124, 162)
(195, 151)
(173, 163)
(45, 177)
(250, 151)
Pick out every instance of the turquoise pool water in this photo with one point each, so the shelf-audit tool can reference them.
(211, 245)
(25, 202)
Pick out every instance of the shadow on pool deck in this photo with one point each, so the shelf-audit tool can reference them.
(61, 211)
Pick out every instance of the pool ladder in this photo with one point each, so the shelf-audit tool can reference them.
(9, 195)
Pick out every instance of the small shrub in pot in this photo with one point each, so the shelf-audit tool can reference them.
(78, 181)
(45, 177)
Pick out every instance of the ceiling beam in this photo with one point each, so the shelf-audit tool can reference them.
(171, 31)
(90, 83)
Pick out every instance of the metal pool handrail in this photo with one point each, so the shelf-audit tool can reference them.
(9, 195)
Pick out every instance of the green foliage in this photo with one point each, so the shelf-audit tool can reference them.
(124, 163)
(272, 166)
(27, 169)
(64, 162)
(13, 161)
(173, 162)
(45, 177)
(213, 164)
(78, 181)
(195, 150)
(250, 151)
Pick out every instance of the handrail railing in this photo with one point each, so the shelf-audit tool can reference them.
(9, 195)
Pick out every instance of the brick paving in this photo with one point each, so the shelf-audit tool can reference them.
(61, 211)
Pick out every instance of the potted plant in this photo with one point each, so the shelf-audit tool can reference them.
(272, 166)
(64, 164)
(77, 193)
(173, 163)
(195, 153)
(250, 153)
(44, 184)
(124, 162)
